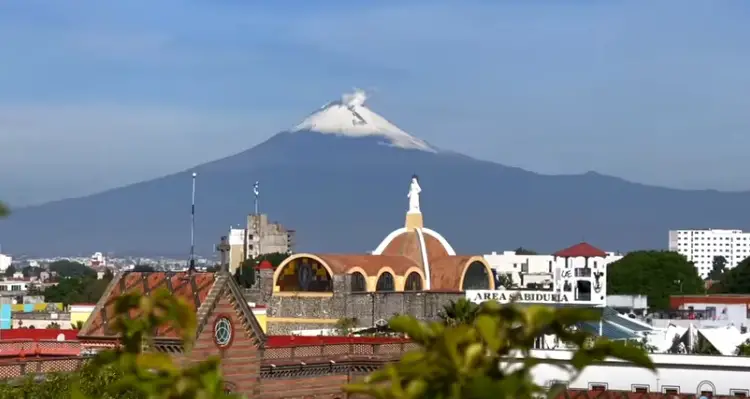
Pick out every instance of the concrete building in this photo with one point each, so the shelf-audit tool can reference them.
(5, 262)
(575, 270)
(701, 246)
(259, 237)
(264, 237)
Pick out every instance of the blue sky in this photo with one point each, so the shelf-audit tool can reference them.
(95, 94)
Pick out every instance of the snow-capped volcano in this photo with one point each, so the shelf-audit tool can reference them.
(350, 117)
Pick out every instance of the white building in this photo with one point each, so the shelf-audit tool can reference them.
(5, 262)
(577, 272)
(701, 246)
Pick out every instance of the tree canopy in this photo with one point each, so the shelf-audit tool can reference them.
(657, 274)
(275, 258)
(735, 280)
(245, 274)
(143, 268)
(10, 271)
(718, 266)
(77, 290)
(4, 211)
(66, 268)
(525, 251)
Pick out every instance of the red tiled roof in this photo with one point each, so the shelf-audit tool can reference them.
(583, 249)
(265, 264)
(192, 287)
(37, 334)
(25, 347)
(280, 341)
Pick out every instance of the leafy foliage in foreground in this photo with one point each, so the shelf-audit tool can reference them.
(471, 360)
(132, 371)
(155, 374)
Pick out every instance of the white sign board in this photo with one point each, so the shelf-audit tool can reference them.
(505, 296)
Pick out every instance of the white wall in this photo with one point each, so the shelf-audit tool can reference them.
(553, 271)
(691, 373)
(5, 262)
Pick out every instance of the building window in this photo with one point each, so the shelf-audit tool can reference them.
(640, 388)
(223, 332)
(359, 284)
(413, 282)
(385, 282)
(670, 390)
(598, 386)
(738, 393)
(476, 277)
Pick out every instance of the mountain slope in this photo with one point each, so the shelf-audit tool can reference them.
(345, 192)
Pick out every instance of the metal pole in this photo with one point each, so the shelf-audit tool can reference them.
(192, 227)
(256, 191)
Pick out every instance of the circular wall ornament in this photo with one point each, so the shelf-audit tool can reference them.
(223, 332)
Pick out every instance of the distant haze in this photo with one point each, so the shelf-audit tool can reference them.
(344, 190)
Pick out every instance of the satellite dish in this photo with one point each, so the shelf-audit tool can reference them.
(61, 337)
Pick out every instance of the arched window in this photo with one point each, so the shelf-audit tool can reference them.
(385, 282)
(476, 277)
(358, 282)
(304, 275)
(413, 282)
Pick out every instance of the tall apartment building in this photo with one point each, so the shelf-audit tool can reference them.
(259, 237)
(701, 246)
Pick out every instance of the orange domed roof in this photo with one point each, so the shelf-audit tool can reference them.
(408, 244)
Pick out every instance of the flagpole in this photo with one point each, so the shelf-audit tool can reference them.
(256, 191)
(192, 227)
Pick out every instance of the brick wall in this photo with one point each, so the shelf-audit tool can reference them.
(240, 362)
(317, 387)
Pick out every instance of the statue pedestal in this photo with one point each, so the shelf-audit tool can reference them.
(414, 220)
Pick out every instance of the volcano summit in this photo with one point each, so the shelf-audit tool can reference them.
(339, 178)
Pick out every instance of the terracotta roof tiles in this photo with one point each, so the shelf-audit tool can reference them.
(583, 249)
(371, 264)
(193, 288)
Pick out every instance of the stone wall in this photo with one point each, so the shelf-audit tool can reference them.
(366, 307)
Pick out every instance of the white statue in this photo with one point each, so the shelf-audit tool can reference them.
(413, 195)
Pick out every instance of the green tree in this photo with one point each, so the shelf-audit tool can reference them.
(4, 210)
(276, 258)
(470, 360)
(29, 271)
(525, 251)
(718, 264)
(10, 271)
(735, 280)
(657, 274)
(77, 290)
(245, 274)
(743, 349)
(143, 268)
(458, 312)
(66, 268)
